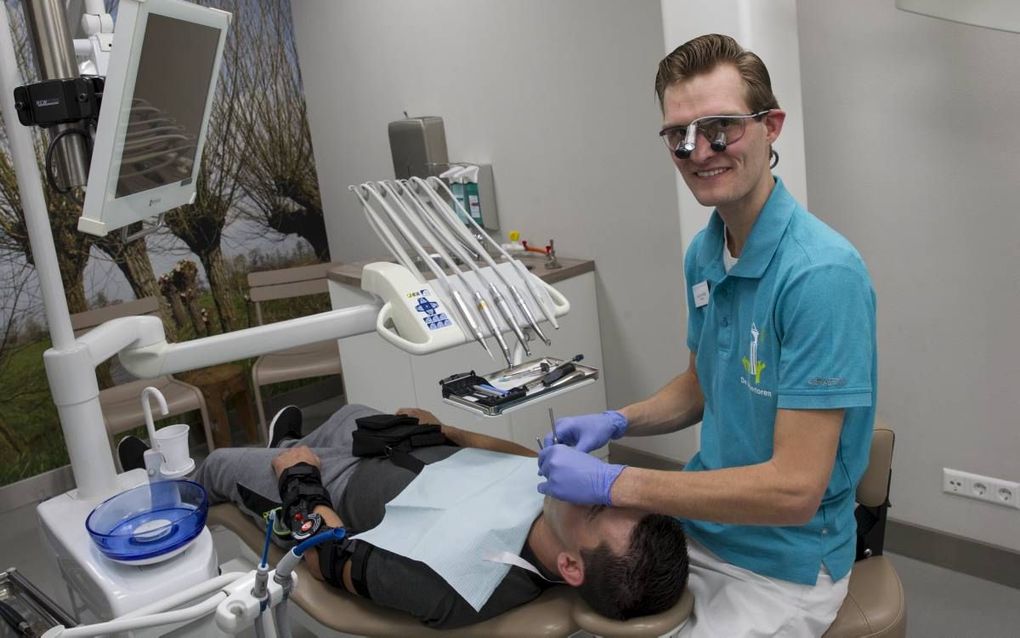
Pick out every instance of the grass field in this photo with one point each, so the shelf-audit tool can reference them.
(31, 440)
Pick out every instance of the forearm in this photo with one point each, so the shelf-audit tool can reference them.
(751, 495)
(464, 438)
(331, 519)
(676, 406)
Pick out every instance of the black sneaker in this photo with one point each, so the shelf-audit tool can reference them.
(131, 453)
(285, 425)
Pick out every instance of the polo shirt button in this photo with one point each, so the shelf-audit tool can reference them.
(825, 530)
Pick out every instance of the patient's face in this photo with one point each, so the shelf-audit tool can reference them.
(586, 526)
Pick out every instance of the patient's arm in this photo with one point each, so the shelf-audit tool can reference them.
(300, 454)
(464, 438)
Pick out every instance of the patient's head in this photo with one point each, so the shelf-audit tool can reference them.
(624, 562)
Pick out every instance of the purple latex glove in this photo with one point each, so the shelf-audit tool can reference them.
(575, 476)
(588, 432)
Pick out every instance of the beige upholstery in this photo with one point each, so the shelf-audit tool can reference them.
(121, 404)
(875, 605)
(656, 625)
(548, 615)
(304, 362)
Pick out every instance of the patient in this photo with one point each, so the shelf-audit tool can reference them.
(624, 562)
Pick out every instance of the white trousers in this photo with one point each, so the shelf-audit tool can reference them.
(733, 602)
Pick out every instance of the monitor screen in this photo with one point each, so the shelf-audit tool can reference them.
(159, 92)
(168, 103)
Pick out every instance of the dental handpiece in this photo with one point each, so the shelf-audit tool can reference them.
(517, 265)
(527, 314)
(483, 308)
(462, 306)
(508, 315)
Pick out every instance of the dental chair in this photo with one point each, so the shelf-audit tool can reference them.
(875, 606)
(557, 612)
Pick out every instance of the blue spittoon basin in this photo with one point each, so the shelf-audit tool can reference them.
(149, 521)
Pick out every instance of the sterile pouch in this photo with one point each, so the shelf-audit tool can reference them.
(459, 513)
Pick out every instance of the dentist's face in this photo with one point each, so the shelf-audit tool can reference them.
(729, 178)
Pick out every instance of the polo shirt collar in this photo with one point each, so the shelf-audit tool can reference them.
(761, 245)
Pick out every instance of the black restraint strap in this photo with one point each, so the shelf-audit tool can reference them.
(335, 554)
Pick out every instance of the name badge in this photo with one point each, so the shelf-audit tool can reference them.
(700, 291)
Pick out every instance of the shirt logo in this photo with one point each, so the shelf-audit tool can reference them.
(752, 365)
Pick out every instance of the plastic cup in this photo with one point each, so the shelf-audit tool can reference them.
(172, 442)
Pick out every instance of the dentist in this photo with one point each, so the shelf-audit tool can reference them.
(782, 372)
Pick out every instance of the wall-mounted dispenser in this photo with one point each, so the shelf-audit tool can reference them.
(418, 146)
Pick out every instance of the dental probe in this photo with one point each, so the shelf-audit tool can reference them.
(480, 303)
(443, 234)
(536, 295)
(552, 425)
(521, 270)
(439, 272)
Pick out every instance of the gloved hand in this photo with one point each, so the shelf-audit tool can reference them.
(588, 432)
(575, 476)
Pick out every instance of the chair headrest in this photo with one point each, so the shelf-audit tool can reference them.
(873, 489)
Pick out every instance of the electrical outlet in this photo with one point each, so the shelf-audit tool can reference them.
(982, 488)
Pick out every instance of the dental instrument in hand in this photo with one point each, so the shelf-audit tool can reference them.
(444, 235)
(480, 303)
(438, 272)
(552, 425)
(453, 221)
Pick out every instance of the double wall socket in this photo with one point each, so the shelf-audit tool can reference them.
(982, 488)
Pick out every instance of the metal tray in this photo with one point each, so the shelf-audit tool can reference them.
(35, 607)
(583, 376)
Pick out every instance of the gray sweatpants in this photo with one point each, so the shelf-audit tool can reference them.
(220, 473)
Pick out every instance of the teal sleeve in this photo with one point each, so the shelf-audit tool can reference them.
(826, 323)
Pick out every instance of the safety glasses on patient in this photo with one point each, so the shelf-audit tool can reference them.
(719, 130)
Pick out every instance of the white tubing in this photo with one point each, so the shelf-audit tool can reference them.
(181, 597)
(193, 612)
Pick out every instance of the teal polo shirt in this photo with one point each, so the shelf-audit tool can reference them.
(791, 326)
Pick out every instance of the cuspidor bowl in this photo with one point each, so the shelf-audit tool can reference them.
(149, 523)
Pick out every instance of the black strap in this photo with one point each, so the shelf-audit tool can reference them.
(301, 490)
(333, 555)
(359, 566)
(402, 459)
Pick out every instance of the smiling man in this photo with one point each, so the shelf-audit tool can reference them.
(781, 332)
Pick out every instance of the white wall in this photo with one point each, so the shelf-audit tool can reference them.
(913, 142)
(559, 97)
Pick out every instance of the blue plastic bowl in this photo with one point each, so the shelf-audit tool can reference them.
(149, 521)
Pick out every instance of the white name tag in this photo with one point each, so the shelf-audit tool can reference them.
(700, 291)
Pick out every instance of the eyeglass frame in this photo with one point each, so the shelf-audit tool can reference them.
(684, 149)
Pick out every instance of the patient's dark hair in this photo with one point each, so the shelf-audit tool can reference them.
(647, 579)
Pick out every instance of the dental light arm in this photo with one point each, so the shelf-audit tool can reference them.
(153, 356)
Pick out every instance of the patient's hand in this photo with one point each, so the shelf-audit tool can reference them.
(424, 416)
(292, 456)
